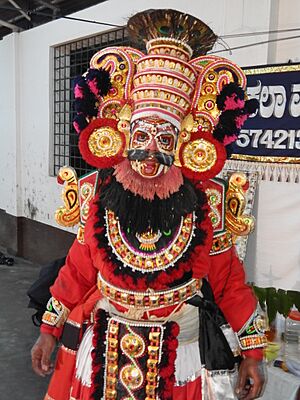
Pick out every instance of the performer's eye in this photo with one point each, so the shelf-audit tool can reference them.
(166, 141)
(142, 137)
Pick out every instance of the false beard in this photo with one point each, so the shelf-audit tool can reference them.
(162, 186)
(139, 214)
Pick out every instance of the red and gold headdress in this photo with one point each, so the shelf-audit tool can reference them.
(201, 96)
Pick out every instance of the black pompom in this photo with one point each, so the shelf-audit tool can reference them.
(227, 124)
(219, 133)
(251, 106)
(85, 100)
(227, 91)
(98, 81)
(79, 122)
(80, 87)
(86, 106)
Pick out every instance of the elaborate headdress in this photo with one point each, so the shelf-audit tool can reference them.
(202, 97)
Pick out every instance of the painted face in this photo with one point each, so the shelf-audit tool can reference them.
(152, 147)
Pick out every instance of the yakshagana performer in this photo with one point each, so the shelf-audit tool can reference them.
(151, 302)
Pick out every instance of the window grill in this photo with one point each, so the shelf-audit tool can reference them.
(70, 60)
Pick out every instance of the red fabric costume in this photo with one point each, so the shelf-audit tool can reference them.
(152, 291)
(76, 287)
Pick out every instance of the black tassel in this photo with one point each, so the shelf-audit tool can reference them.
(214, 348)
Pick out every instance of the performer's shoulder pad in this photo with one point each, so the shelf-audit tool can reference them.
(215, 190)
(87, 188)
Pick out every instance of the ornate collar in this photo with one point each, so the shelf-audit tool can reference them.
(149, 252)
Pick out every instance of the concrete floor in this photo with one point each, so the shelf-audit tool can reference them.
(17, 334)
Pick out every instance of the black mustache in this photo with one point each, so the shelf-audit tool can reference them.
(137, 155)
(140, 155)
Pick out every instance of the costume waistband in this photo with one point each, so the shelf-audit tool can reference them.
(150, 299)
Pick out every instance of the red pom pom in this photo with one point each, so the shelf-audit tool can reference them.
(167, 394)
(203, 157)
(168, 387)
(91, 158)
(172, 344)
(172, 358)
(166, 372)
(175, 329)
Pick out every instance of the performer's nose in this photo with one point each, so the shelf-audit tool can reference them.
(152, 146)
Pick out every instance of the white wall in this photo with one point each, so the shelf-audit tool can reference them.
(289, 17)
(25, 86)
(10, 181)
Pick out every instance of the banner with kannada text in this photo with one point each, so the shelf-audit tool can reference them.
(273, 134)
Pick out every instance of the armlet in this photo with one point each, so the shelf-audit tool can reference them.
(56, 313)
(252, 334)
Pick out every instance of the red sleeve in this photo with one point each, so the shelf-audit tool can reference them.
(74, 280)
(52, 330)
(257, 354)
(234, 297)
(76, 277)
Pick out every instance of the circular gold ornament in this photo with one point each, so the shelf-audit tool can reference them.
(124, 126)
(211, 76)
(185, 136)
(105, 142)
(110, 109)
(199, 155)
(260, 324)
(204, 124)
(133, 345)
(207, 104)
(131, 377)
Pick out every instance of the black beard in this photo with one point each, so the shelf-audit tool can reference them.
(138, 214)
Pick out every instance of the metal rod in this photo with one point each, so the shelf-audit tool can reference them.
(21, 11)
(49, 5)
(15, 28)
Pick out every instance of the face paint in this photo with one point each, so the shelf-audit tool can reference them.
(152, 147)
(149, 168)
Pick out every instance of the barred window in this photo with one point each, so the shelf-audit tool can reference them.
(70, 60)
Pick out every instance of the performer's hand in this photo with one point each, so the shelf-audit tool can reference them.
(250, 380)
(41, 353)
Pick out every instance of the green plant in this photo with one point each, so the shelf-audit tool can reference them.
(274, 300)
